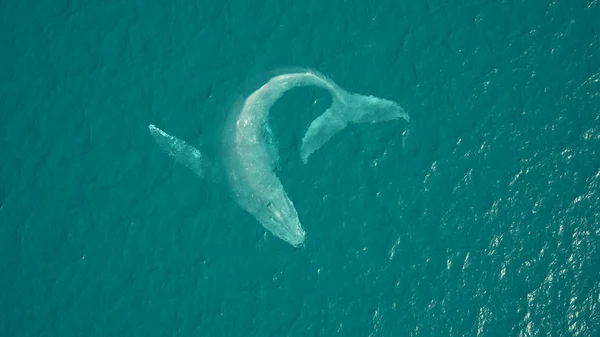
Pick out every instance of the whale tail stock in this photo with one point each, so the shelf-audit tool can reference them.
(184, 154)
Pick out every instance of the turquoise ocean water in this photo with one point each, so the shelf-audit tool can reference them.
(479, 217)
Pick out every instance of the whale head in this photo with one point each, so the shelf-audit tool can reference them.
(281, 218)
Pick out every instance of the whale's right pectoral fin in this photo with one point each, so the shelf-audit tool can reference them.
(183, 153)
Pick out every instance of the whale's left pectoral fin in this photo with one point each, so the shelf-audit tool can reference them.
(183, 153)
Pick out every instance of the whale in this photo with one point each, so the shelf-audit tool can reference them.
(248, 160)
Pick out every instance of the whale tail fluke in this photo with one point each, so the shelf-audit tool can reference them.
(183, 153)
(322, 129)
(350, 108)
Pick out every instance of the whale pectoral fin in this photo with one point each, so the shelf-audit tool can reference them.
(321, 130)
(354, 108)
(183, 153)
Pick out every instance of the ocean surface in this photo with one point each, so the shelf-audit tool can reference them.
(479, 217)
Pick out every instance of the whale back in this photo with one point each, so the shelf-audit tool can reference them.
(272, 145)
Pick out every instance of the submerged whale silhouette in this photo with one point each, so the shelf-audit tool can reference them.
(248, 163)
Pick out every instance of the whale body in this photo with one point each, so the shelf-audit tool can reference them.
(248, 159)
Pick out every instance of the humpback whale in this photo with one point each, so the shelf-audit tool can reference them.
(248, 162)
